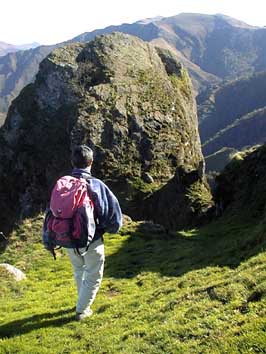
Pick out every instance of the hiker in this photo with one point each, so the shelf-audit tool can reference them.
(88, 265)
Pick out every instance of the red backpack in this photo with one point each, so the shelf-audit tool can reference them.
(69, 222)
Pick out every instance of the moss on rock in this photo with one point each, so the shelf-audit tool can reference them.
(116, 94)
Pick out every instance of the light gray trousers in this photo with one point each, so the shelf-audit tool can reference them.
(88, 272)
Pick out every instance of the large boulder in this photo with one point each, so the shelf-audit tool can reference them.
(131, 103)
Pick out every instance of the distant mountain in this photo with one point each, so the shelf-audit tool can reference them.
(6, 48)
(246, 131)
(218, 44)
(18, 69)
(212, 47)
(217, 161)
(234, 115)
(155, 31)
(28, 46)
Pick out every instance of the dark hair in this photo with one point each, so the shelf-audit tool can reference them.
(82, 156)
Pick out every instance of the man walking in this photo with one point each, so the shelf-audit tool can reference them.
(88, 263)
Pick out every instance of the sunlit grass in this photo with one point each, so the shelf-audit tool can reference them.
(198, 291)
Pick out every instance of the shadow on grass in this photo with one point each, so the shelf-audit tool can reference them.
(44, 320)
(222, 243)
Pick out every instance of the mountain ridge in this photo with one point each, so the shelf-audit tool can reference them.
(6, 48)
(188, 34)
(233, 115)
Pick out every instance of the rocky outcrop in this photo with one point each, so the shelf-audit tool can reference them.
(133, 106)
(183, 201)
(241, 187)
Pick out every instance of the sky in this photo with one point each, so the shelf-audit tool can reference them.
(54, 21)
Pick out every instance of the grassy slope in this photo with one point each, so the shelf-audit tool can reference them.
(201, 291)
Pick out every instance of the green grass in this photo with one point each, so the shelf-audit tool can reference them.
(196, 291)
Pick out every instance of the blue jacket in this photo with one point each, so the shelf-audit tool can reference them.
(108, 214)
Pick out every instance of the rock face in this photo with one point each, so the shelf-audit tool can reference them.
(17, 69)
(131, 104)
(241, 186)
(183, 201)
